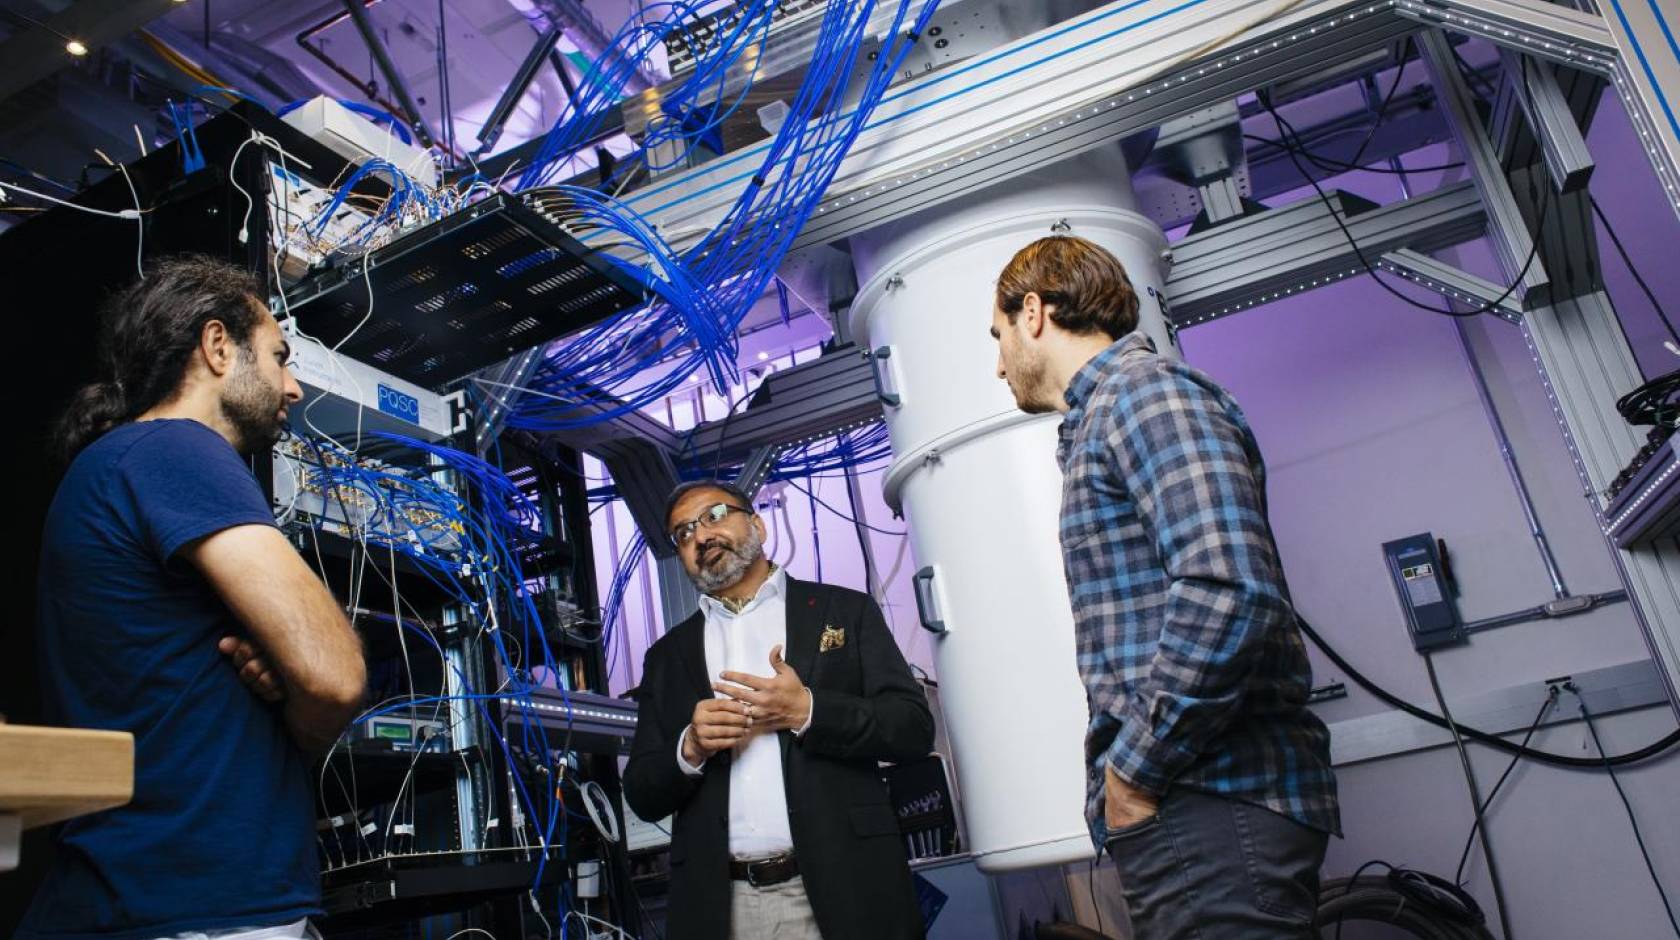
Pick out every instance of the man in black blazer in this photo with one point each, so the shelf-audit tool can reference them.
(783, 828)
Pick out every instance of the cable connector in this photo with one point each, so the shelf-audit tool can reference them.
(1564, 606)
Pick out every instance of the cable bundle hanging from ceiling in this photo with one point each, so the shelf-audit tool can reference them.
(700, 294)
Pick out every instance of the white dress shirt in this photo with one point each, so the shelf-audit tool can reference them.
(758, 813)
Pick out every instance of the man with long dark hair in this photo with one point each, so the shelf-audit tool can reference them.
(160, 559)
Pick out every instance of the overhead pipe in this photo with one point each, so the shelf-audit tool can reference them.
(516, 89)
(387, 68)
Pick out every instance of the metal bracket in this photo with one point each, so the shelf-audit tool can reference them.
(886, 386)
(388, 69)
(1512, 243)
(505, 387)
(1452, 283)
(757, 469)
(927, 600)
(645, 476)
(516, 88)
(1289, 250)
(1551, 119)
(1552, 30)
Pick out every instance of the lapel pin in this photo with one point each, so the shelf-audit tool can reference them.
(832, 639)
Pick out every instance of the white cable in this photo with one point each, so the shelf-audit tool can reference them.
(337, 368)
(408, 667)
(290, 512)
(793, 544)
(233, 177)
(588, 919)
(140, 225)
(140, 241)
(898, 563)
(123, 214)
(592, 792)
(548, 929)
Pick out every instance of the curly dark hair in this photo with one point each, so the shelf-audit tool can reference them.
(147, 333)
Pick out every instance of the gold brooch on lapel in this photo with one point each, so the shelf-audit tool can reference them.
(832, 639)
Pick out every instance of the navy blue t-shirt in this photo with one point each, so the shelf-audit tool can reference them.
(220, 832)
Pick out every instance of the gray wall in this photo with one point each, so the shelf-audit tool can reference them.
(1372, 431)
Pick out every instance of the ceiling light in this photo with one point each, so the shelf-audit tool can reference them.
(763, 357)
(75, 48)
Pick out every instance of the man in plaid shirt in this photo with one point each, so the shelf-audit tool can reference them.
(1209, 779)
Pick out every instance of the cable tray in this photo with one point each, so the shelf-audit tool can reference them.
(462, 293)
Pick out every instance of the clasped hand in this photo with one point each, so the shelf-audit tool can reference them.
(754, 705)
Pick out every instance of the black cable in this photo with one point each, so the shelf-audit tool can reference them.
(870, 576)
(1093, 886)
(1539, 718)
(1330, 164)
(1617, 241)
(1416, 902)
(1632, 821)
(1288, 131)
(723, 432)
(818, 501)
(1545, 757)
(1650, 403)
(1475, 797)
(1470, 75)
(1382, 108)
(1347, 887)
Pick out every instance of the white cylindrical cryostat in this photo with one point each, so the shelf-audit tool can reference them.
(978, 481)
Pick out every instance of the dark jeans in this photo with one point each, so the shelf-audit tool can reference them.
(1209, 868)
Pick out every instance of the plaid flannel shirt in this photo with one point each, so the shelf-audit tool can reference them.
(1194, 669)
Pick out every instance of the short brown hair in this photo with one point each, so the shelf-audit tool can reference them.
(1085, 284)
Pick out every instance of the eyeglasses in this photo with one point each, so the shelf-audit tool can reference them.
(710, 519)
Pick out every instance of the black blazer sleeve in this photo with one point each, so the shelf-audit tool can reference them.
(654, 786)
(890, 721)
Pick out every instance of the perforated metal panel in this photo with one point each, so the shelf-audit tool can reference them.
(463, 293)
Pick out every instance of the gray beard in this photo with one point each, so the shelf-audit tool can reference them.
(728, 570)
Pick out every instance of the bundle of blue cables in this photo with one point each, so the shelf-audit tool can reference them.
(698, 296)
(467, 548)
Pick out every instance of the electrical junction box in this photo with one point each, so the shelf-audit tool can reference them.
(341, 394)
(357, 139)
(1425, 593)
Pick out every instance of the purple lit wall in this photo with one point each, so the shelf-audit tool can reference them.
(1372, 429)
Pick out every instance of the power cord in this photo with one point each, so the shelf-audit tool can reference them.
(1475, 797)
(1650, 403)
(1332, 165)
(1638, 837)
(1096, 906)
(1616, 240)
(1545, 757)
(1539, 719)
(1292, 139)
(1416, 902)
